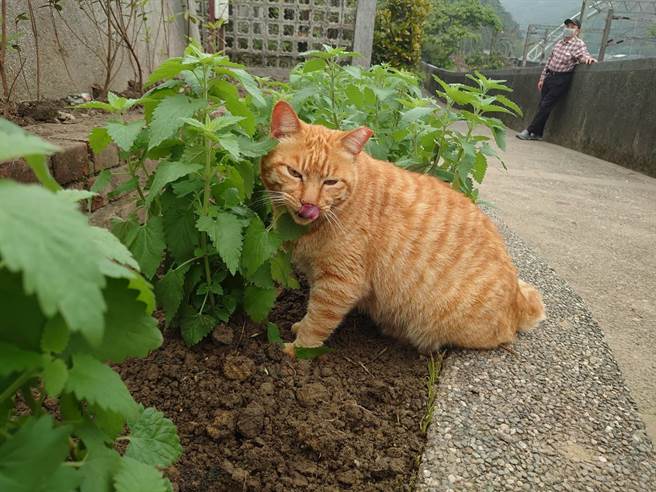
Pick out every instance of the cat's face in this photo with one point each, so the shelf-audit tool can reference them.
(312, 171)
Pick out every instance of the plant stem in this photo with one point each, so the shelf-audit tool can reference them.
(35, 33)
(3, 53)
(332, 64)
(35, 406)
(208, 185)
(22, 379)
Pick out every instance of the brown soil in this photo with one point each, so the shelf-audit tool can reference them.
(251, 419)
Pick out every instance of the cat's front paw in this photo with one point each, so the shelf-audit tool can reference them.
(288, 349)
(295, 327)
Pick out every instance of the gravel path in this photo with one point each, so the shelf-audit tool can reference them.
(555, 416)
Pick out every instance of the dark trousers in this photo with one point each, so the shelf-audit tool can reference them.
(554, 88)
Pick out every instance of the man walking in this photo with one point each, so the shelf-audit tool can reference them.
(557, 76)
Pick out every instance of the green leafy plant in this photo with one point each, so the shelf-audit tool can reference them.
(399, 32)
(201, 219)
(71, 298)
(410, 130)
(434, 369)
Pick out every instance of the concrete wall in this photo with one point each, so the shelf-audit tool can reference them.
(609, 112)
(72, 46)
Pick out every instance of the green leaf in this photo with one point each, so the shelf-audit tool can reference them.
(120, 103)
(507, 102)
(39, 166)
(167, 172)
(259, 246)
(480, 166)
(170, 290)
(167, 70)
(230, 95)
(65, 479)
(55, 374)
(69, 408)
(222, 122)
(499, 136)
(313, 65)
(256, 148)
(101, 462)
(75, 196)
(91, 380)
(195, 327)
(97, 105)
(133, 476)
(124, 134)
(287, 229)
(22, 319)
(249, 84)
(262, 277)
(125, 187)
(111, 423)
(55, 335)
(310, 352)
(167, 117)
(145, 290)
(247, 173)
(179, 226)
(258, 302)
(416, 114)
(149, 245)
(16, 142)
(230, 144)
(30, 457)
(102, 180)
(355, 96)
(47, 239)
(13, 359)
(282, 271)
(114, 252)
(130, 332)
(99, 139)
(273, 333)
(225, 232)
(154, 439)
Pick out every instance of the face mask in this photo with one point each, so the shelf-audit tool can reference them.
(569, 32)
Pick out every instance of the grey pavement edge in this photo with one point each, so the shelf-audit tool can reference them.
(554, 416)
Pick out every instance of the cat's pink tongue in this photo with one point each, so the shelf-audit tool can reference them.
(309, 211)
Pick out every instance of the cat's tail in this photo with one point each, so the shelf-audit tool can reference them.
(530, 306)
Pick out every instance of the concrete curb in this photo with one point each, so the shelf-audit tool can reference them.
(556, 416)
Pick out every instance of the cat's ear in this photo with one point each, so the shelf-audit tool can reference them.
(284, 121)
(355, 140)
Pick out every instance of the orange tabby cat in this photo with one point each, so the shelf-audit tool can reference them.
(421, 259)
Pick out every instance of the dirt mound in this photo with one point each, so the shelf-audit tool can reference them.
(250, 419)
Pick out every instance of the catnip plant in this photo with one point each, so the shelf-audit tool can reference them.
(410, 130)
(201, 219)
(72, 300)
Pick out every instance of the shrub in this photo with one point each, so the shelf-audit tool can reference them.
(204, 223)
(71, 298)
(409, 130)
(399, 32)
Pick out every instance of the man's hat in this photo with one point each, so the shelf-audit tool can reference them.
(573, 21)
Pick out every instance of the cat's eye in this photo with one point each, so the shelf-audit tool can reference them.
(294, 172)
(330, 182)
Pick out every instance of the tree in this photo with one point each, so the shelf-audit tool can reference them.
(450, 22)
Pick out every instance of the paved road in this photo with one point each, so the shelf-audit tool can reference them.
(595, 223)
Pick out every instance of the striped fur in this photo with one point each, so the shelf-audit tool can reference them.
(426, 264)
